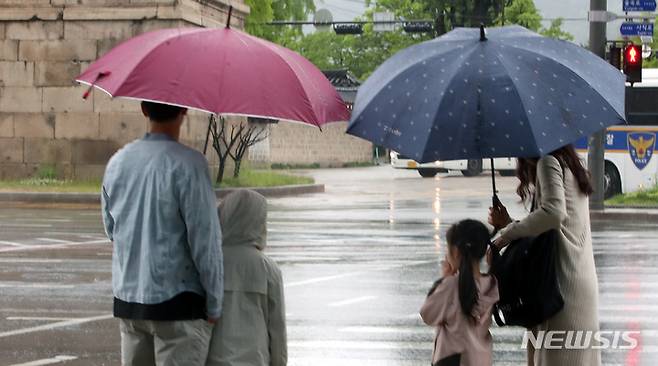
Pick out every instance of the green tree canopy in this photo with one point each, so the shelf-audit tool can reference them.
(263, 11)
(555, 31)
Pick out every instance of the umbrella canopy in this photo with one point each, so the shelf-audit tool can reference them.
(222, 71)
(511, 93)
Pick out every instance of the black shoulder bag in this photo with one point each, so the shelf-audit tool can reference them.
(527, 281)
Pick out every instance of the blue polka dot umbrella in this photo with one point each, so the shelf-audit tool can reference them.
(508, 92)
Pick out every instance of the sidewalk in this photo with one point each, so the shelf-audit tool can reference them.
(94, 198)
(640, 215)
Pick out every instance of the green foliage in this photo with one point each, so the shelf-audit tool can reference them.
(652, 62)
(50, 185)
(264, 178)
(263, 11)
(642, 197)
(46, 172)
(555, 31)
(524, 13)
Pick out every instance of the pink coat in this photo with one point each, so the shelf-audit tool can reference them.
(455, 333)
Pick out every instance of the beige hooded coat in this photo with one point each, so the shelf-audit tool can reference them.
(252, 328)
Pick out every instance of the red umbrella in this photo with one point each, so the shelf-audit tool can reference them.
(222, 71)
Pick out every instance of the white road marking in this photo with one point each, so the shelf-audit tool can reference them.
(47, 361)
(25, 225)
(17, 284)
(13, 244)
(352, 301)
(351, 274)
(66, 323)
(59, 241)
(38, 318)
(29, 260)
(53, 246)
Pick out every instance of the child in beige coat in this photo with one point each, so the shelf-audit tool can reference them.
(460, 304)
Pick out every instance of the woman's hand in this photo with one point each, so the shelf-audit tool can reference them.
(498, 217)
(501, 243)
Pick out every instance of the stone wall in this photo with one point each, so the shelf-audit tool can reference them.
(295, 144)
(44, 45)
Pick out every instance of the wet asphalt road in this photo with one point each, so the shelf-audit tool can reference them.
(357, 262)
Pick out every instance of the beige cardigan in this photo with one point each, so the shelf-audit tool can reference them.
(562, 206)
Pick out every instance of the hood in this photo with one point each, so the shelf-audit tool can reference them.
(487, 296)
(243, 217)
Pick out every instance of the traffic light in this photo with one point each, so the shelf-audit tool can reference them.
(614, 56)
(633, 63)
(418, 27)
(352, 28)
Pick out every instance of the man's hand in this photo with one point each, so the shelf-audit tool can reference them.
(498, 217)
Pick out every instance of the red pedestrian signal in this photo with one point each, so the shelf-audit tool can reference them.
(633, 63)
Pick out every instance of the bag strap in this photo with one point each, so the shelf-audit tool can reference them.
(497, 317)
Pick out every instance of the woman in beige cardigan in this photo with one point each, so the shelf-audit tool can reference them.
(560, 186)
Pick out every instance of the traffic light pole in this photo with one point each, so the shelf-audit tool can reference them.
(595, 156)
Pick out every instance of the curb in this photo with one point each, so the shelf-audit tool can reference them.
(634, 215)
(94, 198)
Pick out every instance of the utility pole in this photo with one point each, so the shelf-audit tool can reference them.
(595, 156)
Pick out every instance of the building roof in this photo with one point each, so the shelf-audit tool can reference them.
(345, 83)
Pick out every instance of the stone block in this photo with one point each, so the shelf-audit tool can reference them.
(122, 127)
(47, 151)
(110, 13)
(2, 30)
(45, 30)
(96, 30)
(103, 103)
(25, 3)
(56, 73)
(89, 171)
(90, 2)
(60, 50)
(66, 99)
(8, 50)
(16, 73)
(93, 152)
(6, 125)
(20, 99)
(77, 126)
(151, 25)
(34, 125)
(11, 150)
(24, 10)
(151, 2)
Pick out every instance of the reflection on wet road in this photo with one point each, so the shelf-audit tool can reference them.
(357, 262)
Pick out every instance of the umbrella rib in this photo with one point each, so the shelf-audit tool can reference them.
(520, 99)
(454, 76)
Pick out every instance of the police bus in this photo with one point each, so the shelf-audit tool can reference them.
(629, 148)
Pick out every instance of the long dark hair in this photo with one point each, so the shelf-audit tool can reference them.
(526, 171)
(471, 239)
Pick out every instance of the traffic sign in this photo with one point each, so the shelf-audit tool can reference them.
(639, 5)
(636, 29)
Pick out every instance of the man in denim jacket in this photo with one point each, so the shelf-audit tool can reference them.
(158, 209)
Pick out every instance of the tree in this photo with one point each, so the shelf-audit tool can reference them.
(523, 13)
(248, 134)
(221, 143)
(263, 11)
(555, 31)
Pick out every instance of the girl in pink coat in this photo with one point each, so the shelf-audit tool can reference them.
(459, 305)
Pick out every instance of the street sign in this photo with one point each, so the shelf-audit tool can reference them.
(636, 29)
(639, 5)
